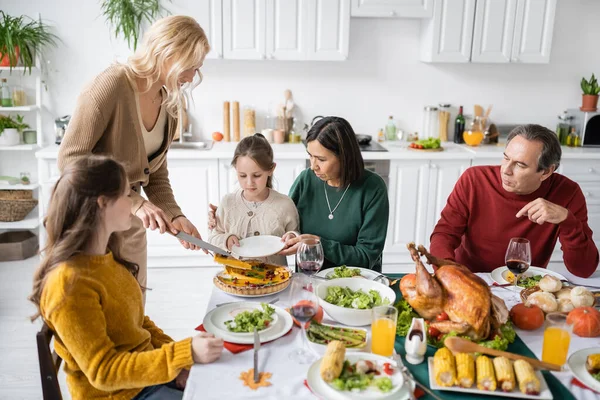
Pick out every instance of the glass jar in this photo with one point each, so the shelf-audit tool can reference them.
(430, 123)
(249, 121)
(474, 135)
(564, 127)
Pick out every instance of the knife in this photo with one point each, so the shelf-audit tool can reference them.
(256, 348)
(201, 243)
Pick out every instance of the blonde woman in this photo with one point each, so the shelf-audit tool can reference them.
(130, 112)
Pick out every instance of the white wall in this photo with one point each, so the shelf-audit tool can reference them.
(382, 75)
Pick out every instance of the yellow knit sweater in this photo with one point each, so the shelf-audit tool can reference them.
(110, 349)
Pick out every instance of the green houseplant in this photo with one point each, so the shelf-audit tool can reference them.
(10, 130)
(590, 94)
(20, 38)
(126, 17)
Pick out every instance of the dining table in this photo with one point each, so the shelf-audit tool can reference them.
(221, 379)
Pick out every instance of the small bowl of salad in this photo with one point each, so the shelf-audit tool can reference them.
(349, 300)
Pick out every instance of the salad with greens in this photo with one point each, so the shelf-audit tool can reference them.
(355, 378)
(531, 281)
(343, 272)
(596, 376)
(346, 297)
(247, 320)
(406, 313)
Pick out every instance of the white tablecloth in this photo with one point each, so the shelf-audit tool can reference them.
(220, 380)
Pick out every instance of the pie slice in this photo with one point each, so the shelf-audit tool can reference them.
(251, 278)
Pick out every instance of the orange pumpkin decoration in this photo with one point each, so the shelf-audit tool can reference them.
(528, 318)
(586, 321)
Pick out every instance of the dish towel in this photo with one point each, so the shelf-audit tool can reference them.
(235, 347)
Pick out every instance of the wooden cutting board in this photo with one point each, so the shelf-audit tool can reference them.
(427, 150)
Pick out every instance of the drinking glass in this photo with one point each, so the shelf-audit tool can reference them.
(518, 257)
(557, 337)
(309, 256)
(303, 306)
(383, 330)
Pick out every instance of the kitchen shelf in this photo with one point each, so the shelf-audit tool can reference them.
(6, 186)
(21, 147)
(21, 108)
(34, 69)
(31, 221)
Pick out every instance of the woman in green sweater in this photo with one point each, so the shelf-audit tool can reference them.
(338, 200)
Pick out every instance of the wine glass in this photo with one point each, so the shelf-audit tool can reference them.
(518, 257)
(309, 256)
(303, 306)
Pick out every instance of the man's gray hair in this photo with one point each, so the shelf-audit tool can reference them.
(551, 151)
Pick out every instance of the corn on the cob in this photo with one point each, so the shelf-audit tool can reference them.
(593, 362)
(528, 382)
(333, 361)
(504, 374)
(486, 380)
(465, 369)
(444, 369)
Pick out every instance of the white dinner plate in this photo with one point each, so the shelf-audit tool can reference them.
(219, 317)
(577, 362)
(498, 275)
(323, 390)
(283, 323)
(258, 246)
(364, 272)
(545, 392)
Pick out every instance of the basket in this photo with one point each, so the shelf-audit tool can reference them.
(12, 210)
(16, 194)
(17, 245)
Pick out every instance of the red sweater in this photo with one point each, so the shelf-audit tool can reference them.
(480, 219)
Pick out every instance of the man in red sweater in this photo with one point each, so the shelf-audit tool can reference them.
(523, 197)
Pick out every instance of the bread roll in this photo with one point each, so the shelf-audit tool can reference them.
(564, 293)
(544, 300)
(581, 297)
(550, 284)
(565, 305)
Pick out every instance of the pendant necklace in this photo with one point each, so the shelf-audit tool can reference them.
(327, 198)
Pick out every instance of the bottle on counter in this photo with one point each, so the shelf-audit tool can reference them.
(390, 129)
(563, 129)
(459, 126)
(5, 96)
(573, 139)
(380, 136)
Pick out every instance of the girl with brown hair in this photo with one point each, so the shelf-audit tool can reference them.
(256, 208)
(88, 295)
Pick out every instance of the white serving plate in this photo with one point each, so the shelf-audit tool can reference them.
(219, 317)
(577, 362)
(545, 393)
(283, 323)
(499, 273)
(258, 246)
(364, 272)
(323, 390)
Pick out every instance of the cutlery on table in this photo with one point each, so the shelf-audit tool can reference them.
(459, 345)
(256, 348)
(409, 377)
(275, 300)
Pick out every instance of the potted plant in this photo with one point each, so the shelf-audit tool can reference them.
(126, 17)
(10, 130)
(20, 38)
(590, 94)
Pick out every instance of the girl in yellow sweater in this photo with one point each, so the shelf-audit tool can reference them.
(90, 298)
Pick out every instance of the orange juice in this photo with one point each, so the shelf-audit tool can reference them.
(383, 335)
(473, 138)
(556, 345)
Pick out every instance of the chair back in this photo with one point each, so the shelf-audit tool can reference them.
(49, 364)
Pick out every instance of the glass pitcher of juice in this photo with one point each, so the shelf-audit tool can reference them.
(474, 135)
(557, 337)
(383, 330)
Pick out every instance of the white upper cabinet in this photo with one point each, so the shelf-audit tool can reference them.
(208, 14)
(447, 37)
(392, 8)
(533, 31)
(489, 31)
(494, 31)
(328, 29)
(244, 33)
(287, 29)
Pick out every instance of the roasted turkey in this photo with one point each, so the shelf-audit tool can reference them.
(472, 309)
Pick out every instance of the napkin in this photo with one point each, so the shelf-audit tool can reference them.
(235, 347)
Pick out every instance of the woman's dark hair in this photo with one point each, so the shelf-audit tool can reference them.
(337, 136)
(259, 150)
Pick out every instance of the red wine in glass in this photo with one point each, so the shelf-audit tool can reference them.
(310, 267)
(517, 267)
(303, 312)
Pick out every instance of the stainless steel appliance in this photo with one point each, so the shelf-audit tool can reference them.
(60, 126)
(587, 125)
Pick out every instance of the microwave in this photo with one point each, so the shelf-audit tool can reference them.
(588, 126)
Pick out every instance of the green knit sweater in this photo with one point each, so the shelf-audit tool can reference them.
(356, 234)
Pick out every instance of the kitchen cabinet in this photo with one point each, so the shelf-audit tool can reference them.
(286, 29)
(392, 8)
(489, 31)
(208, 14)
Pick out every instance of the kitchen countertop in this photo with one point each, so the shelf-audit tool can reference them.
(396, 151)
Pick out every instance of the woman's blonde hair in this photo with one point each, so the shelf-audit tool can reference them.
(178, 39)
(73, 216)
